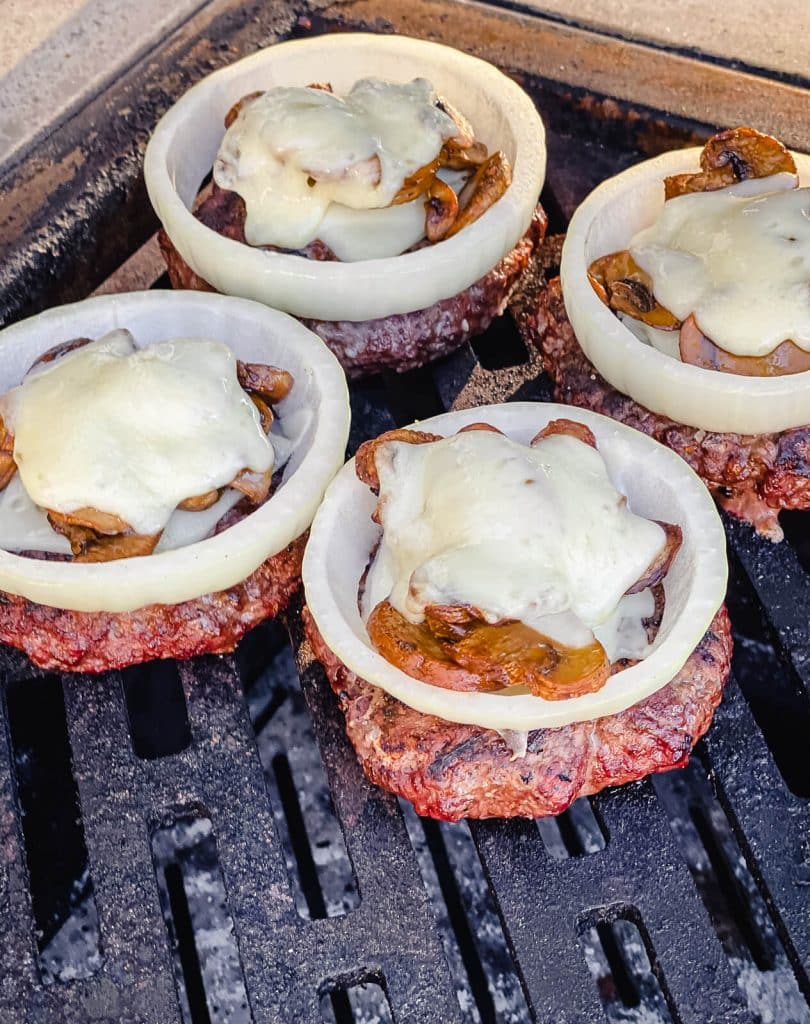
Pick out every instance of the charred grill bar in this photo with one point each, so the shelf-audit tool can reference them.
(186, 844)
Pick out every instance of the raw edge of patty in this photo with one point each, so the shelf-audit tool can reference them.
(69, 641)
(453, 771)
(399, 342)
(752, 476)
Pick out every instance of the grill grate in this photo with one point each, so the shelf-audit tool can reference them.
(231, 864)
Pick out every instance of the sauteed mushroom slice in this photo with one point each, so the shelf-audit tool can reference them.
(255, 486)
(484, 188)
(8, 467)
(60, 350)
(265, 412)
(565, 426)
(465, 136)
(659, 567)
(621, 283)
(239, 106)
(462, 158)
(732, 156)
(441, 209)
(99, 536)
(268, 382)
(200, 502)
(418, 183)
(698, 350)
(364, 460)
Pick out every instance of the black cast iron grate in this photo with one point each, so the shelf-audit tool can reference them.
(195, 843)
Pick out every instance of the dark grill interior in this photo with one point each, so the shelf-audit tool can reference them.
(196, 843)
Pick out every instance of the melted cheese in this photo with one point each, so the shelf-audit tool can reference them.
(133, 432)
(737, 260)
(294, 152)
(536, 534)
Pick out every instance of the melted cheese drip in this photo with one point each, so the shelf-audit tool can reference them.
(133, 432)
(304, 160)
(536, 534)
(738, 261)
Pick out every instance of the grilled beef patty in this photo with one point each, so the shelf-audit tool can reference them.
(752, 476)
(399, 342)
(63, 640)
(453, 771)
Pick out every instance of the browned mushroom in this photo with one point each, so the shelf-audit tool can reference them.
(484, 188)
(462, 158)
(659, 567)
(621, 284)
(441, 209)
(239, 106)
(464, 136)
(418, 183)
(268, 382)
(99, 536)
(265, 412)
(8, 467)
(365, 464)
(573, 428)
(60, 350)
(255, 486)
(480, 426)
(732, 156)
(698, 350)
(200, 502)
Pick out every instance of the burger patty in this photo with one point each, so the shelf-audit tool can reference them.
(63, 640)
(752, 476)
(453, 771)
(399, 342)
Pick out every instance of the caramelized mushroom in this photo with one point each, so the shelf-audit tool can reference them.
(418, 183)
(8, 467)
(464, 137)
(268, 382)
(621, 283)
(200, 502)
(698, 350)
(265, 412)
(255, 486)
(239, 106)
(480, 426)
(441, 208)
(565, 426)
(364, 460)
(659, 567)
(99, 536)
(462, 158)
(60, 350)
(732, 156)
(484, 188)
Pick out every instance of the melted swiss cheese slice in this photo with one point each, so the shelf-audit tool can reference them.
(738, 259)
(310, 164)
(538, 534)
(132, 432)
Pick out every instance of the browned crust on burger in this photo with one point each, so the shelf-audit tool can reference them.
(455, 771)
(62, 640)
(752, 476)
(399, 342)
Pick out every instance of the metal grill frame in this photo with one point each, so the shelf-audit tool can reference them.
(72, 212)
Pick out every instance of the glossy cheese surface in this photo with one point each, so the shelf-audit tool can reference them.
(738, 259)
(305, 160)
(538, 534)
(133, 432)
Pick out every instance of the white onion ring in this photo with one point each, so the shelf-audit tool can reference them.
(182, 150)
(255, 334)
(707, 399)
(659, 485)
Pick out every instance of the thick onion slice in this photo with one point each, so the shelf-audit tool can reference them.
(698, 397)
(318, 405)
(659, 485)
(182, 150)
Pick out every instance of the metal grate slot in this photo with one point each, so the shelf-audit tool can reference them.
(487, 986)
(738, 912)
(364, 1003)
(619, 960)
(500, 347)
(207, 968)
(62, 896)
(576, 832)
(412, 395)
(156, 709)
(320, 871)
(796, 525)
(778, 701)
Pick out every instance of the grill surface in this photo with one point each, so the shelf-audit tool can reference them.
(196, 843)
